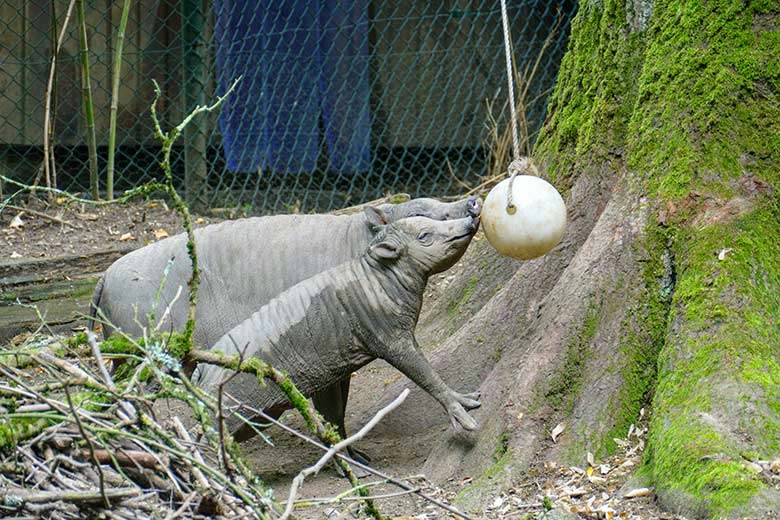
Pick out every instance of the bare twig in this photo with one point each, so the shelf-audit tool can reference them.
(92, 340)
(298, 480)
(95, 460)
(457, 179)
(220, 414)
(185, 436)
(168, 139)
(142, 190)
(364, 467)
(42, 215)
(42, 497)
(128, 412)
(341, 498)
(131, 458)
(81, 377)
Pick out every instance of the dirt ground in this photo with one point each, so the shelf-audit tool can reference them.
(596, 490)
(70, 228)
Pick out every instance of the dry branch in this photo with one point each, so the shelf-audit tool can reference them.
(15, 494)
(43, 216)
(336, 448)
(345, 458)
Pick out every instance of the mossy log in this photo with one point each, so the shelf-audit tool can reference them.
(664, 133)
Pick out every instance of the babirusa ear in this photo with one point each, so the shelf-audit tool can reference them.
(375, 216)
(385, 250)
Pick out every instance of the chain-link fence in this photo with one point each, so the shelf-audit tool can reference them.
(341, 101)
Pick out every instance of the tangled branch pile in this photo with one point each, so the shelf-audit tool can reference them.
(74, 444)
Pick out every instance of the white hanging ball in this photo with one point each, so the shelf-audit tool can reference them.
(537, 224)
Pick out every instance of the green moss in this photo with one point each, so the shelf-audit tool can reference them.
(688, 109)
(118, 344)
(485, 480)
(703, 102)
(467, 291)
(15, 430)
(502, 445)
(76, 340)
(595, 91)
(178, 345)
(723, 367)
(643, 333)
(567, 380)
(705, 116)
(83, 291)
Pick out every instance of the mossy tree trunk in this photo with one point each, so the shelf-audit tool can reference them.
(664, 133)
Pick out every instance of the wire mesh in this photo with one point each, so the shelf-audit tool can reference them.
(340, 101)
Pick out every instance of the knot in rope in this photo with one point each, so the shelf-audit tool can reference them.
(522, 165)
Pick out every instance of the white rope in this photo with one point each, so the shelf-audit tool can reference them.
(510, 82)
(516, 165)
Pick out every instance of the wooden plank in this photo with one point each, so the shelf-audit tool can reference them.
(60, 288)
(41, 270)
(60, 313)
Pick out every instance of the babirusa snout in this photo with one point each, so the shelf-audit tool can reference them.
(474, 206)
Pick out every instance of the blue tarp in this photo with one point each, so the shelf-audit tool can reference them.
(300, 59)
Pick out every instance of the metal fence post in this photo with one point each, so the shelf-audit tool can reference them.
(194, 82)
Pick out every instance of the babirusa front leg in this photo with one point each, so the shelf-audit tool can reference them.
(405, 355)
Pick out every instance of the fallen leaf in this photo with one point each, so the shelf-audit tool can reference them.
(589, 471)
(126, 237)
(60, 200)
(160, 233)
(497, 502)
(604, 468)
(590, 459)
(200, 220)
(576, 492)
(14, 254)
(724, 252)
(16, 222)
(639, 492)
(621, 442)
(557, 431)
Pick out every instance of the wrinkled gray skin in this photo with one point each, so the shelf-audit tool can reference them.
(244, 264)
(328, 326)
